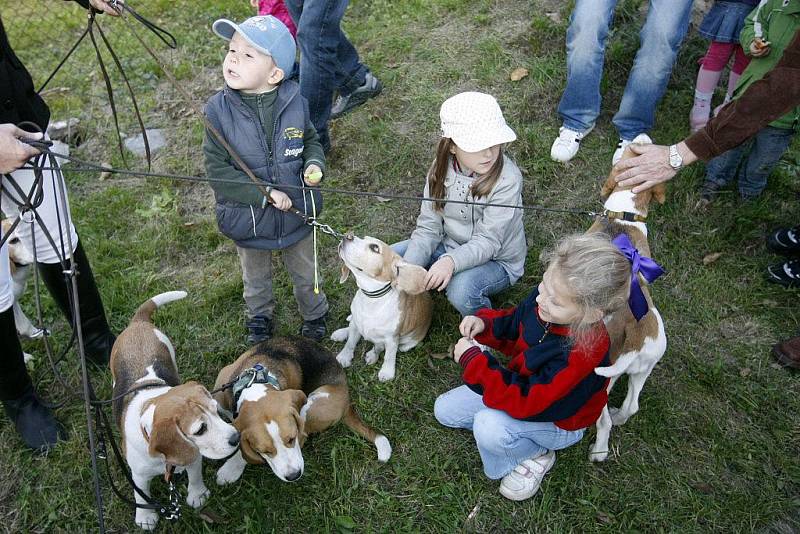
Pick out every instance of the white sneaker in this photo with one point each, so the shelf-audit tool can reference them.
(524, 481)
(642, 139)
(566, 144)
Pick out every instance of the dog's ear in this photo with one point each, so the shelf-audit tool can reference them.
(609, 185)
(345, 273)
(301, 427)
(167, 439)
(408, 278)
(660, 193)
(248, 453)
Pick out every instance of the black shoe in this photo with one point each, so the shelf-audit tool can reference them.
(369, 89)
(260, 328)
(34, 422)
(314, 329)
(785, 240)
(97, 337)
(786, 273)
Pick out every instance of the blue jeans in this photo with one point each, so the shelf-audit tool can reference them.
(766, 148)
(660, 38)
(503, 442)
(328, 60)
(469, 290)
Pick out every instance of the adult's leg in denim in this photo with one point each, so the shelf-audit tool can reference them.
(469, 290)
(351, 72)
(318, 36)
(722, 170)
(660, 38)
(257, 277)
(401, 246)
(457, 407)
(586, 43)
(769, 145)
(504, 442)
(299, 262)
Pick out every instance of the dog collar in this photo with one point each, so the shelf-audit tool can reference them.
(378, 292)
(258, 374)
(624, 215)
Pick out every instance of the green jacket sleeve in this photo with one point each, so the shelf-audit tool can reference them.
(219, 166)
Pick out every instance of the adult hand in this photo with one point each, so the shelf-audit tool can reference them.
(280, 200)
(649, 168)
(471, 326)
(759, 47)
(13, 152)
(105, 7)
(461, 347)
(440, 273)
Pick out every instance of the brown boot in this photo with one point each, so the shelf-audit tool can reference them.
(787, 352)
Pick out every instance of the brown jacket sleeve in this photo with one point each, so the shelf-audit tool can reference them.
(763, 102)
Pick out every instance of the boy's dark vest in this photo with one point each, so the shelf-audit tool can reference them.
(268, 227)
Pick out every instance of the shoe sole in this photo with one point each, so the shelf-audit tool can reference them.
(358, 99)
(775, 279)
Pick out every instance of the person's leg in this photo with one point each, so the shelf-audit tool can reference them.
(721, 170)
(299, 262)
(661, 36)
(351, 73)
(457, 407)
(469, 290)
(769, 145)
(258, 297)
(707, 79)
(740, 62)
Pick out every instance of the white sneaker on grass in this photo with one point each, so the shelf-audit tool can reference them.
(642, 139)
(566, 144)
(524, 481)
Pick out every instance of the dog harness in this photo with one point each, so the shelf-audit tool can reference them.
(258, 374)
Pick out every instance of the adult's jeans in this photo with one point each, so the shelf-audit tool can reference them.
(328, 60)
(660, 39)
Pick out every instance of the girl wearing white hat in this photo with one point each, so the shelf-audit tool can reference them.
(470, 250)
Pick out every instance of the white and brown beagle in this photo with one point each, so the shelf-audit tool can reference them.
(163, 423)
(391, 308)
(636, 346)
(281, 391)
(21, 267)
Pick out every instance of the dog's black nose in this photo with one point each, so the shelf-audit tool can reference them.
(234, 439)
(291, 477)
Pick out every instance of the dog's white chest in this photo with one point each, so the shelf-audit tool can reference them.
(376, 318)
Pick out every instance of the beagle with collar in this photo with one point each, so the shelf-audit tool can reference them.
(162, 422)
(391, 308)
(636, 346)
(22, 261)
(280, 391)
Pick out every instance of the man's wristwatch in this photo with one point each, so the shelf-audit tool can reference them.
(675, 159)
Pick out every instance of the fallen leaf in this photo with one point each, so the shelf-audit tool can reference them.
(383, 199)
(702, 487)
(604, 518)
(711, 258)
(554, 16)
(209, 516)
(744, 372)
(474, 512)
(439, 355)
(187, 224)
(518, 73)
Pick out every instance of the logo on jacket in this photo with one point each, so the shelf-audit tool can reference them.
(294, 142)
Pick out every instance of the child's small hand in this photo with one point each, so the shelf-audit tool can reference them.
(759, 47)
(461, 347)
(313, 175)
(280, 200)
(440, 273)
(471, 326)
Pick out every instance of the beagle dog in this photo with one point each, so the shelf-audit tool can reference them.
(21, 265)
(162, 422)
(391, 308)
(279, 392)
(636, 346)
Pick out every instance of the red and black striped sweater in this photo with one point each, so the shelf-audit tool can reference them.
(547, 379)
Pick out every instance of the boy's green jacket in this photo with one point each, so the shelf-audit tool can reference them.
(780, 20)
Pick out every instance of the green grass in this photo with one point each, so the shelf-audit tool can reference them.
(715, 445)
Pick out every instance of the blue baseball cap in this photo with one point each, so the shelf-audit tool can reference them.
(265, 33)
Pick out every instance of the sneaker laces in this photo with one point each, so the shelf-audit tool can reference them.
(566, 136)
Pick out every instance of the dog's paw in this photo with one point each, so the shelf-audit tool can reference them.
(344, 358)
(230, 473)
(197, 497)
(371, 356)
(146, 519)
(597, 456)
(618, 417)
(386, 374)
(340, 334)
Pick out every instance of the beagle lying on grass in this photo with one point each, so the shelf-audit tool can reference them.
(164, 423)
(391, 307)
(636, 346)
(281, 391)
(21, 265)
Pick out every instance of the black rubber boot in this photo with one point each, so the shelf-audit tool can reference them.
(97, 338)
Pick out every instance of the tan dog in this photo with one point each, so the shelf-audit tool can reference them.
(284, 390)
(21, 267)
(636, 346)
(162, 422)
(391, 307)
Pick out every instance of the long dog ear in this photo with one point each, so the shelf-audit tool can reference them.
(248, 452)
(609, 185)
(408, 278)
(167, 439)
(660, 193)
(345, 273)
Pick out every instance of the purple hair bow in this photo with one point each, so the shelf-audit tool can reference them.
(643, 265)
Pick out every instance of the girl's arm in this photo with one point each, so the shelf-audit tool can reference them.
(427, 235)
(501, 327)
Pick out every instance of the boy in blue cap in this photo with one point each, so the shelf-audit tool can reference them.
(262, 115)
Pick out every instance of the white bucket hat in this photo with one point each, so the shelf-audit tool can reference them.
(474, 122)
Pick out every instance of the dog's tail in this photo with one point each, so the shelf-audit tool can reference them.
(146, 310)
(354, 423)
(619, 366)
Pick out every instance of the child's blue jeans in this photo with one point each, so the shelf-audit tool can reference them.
(503, 442)
(766, 148)
(469, 290)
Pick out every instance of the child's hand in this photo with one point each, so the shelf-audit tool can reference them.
(280, 200)
(440, 273)
(461, 347)
(471, 326)
(313, 175)
(759, 47)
